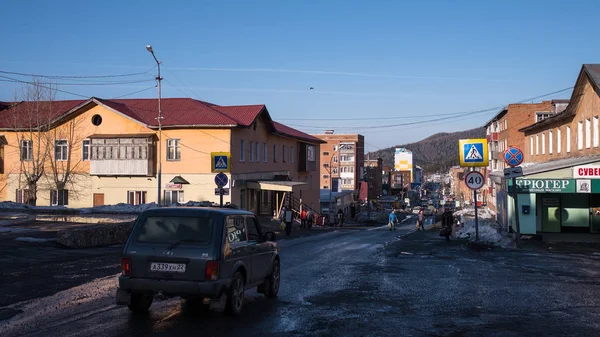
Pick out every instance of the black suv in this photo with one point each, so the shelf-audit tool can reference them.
(205, 253)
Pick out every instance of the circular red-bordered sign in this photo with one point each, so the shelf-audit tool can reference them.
(513, 156)
(474, 180)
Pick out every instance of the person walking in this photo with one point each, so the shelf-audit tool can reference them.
(421, 221)
(310, 218)
(447, 222)
(340, 216)
(392, 220)
(303, 219)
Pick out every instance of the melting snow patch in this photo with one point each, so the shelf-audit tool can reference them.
(482, 213)
(488, 233)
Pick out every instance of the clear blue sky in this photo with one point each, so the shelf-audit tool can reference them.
(383, 59)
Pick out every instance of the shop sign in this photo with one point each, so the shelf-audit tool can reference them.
(584, 186)
(586, 171)
(171, 185)
(544, 185)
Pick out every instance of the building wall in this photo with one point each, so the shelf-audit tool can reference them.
(546, 140)
(403, 160)
(328, 151)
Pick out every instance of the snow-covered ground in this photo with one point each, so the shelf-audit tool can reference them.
(488, 233)
(483, 213)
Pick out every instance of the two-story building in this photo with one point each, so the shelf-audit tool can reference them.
(560, 189)
(92, 152)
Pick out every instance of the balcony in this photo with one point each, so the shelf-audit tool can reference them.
(493, 137)
(131, 155)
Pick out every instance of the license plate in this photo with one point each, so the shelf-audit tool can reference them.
(168, 267)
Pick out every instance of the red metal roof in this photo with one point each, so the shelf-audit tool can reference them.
(177, 112)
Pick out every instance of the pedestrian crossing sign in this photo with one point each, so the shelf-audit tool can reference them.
(473, 152)
(220, 162)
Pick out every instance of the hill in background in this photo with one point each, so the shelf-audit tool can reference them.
(435, 154)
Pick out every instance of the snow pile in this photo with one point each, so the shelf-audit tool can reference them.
(118, 208)
(483, 213)
(13, 205)
(33, 240)
(489, 233)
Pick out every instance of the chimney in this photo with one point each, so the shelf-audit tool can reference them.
(329, 132)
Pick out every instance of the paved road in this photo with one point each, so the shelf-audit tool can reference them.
(362, 283)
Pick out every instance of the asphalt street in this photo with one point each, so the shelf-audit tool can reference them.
(360, 283)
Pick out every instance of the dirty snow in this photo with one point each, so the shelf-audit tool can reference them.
(488, 233)
(483, 213)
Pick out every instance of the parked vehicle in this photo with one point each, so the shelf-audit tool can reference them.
(207, 254)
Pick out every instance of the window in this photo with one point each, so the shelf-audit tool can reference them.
(26, 150)
(505, 124)
(537, 144)
(242, 151)
(580, 136)
(540, 116)
(550, 134)
(596, 132)
(136, 197)
(22, 196)
(326, 153)
(168, 229)
(59, 198)
(251, 159)
(265, 153)
(173, 150)
(325, 176)
(531, 145)
(85, 149)
(311, 153)
(283, 153)
(172, 197)
(257, 152)
(236, 229)
(253, 229)
(558, 140)
(568, 140)
(335, 159)
(61, 149)
(291, 154)
(588, 133)
(325, 187)
(335, 170)
(274, 153)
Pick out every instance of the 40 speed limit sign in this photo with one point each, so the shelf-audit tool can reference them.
(474, 180)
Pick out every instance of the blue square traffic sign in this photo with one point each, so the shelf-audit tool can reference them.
(473, 153)
(220, 162)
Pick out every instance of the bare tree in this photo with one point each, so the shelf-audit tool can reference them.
(31, 119)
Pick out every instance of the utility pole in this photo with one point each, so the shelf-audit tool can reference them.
(159, 118)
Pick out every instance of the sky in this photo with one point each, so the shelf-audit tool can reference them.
(394, 71)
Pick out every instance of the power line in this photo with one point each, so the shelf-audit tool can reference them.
(44, 86)
(88, 84)
(75, 77)
(135, 92)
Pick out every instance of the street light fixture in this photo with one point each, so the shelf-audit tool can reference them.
(159, 118)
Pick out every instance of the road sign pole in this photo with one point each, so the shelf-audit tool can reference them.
(476, 216)
(221, 197)
(516, 201)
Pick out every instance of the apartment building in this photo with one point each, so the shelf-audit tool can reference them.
(84, 153)
(342, 157)
(502, 132)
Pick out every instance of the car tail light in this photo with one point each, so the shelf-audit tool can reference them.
(126, 266)
(212, 271)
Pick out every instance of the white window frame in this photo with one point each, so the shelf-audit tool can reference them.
(132, 197)
(588, 133)
(175, 144)
(531, 145)
(568, 140)
(580, 135)
(26, 150)
(85, 146)
(54, 198)
(64, 152)
(179, 193)
(558, 140)
(242, 151)
(596, 127)
(550, 135)
(537, 145)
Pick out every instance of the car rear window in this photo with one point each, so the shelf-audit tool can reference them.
(164, 229)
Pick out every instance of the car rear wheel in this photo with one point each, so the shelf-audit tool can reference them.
(235, 296)
(140, 302)
(273, 281)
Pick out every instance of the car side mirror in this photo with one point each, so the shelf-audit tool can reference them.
(270, 236)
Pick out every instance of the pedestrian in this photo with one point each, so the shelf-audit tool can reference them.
(303, 219)
(340, 216)
(421, 221)
(392, 220)
(447, 222)
(289, 220)
(310, 218)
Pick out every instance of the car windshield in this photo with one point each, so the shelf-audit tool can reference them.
(175, 229)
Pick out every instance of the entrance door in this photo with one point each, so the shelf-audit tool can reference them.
(551, 213)
(98, 199)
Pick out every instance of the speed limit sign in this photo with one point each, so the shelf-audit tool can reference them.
(474, 180)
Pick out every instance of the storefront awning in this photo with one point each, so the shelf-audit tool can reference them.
(178, 180)
(282, 186)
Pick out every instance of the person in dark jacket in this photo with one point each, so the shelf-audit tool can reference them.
(447, 222)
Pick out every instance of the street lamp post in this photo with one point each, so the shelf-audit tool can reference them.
(159, 118)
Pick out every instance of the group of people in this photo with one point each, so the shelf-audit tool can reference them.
(447, 222)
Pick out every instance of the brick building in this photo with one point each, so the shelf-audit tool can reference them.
(342, 157)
